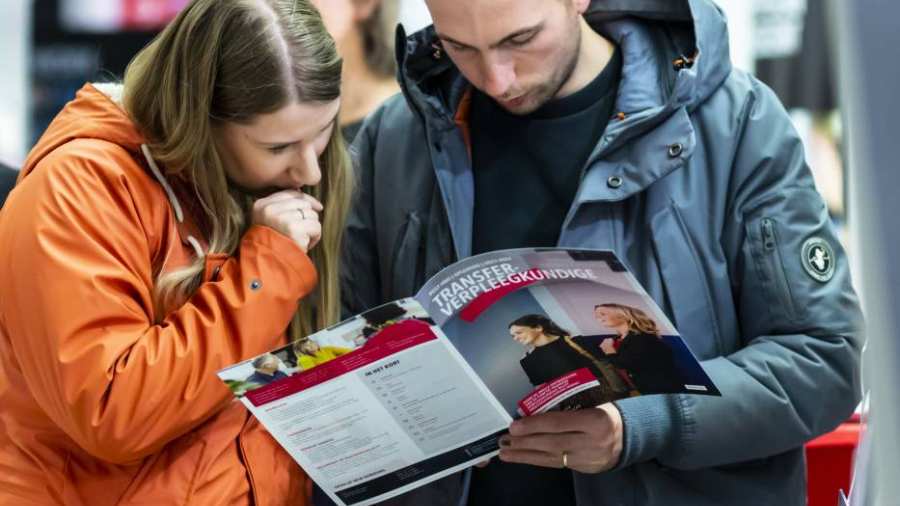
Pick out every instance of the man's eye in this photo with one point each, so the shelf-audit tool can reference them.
(278, 149)
(458, 47)
(521, 40)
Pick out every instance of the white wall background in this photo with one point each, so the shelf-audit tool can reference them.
(15, 35)
(740, 31)
(414, 15)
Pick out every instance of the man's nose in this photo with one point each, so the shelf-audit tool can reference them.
(499, 76)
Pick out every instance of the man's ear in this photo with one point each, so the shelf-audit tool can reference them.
(581, 6)
(363, 9)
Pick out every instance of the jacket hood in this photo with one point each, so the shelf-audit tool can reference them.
(92, 114)
(96, 113)
(652, 35)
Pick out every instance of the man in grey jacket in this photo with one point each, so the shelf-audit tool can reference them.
(621, 125)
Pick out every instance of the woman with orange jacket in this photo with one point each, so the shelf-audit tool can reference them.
(160, 230)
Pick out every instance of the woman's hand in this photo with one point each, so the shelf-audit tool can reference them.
(292, 213)
(607, 346)
(587, 440)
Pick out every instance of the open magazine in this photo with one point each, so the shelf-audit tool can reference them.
(416, 389)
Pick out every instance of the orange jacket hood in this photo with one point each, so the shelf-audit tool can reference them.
(91, 115)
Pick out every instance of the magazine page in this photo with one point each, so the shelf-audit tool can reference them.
(559, 329)
(373, 406)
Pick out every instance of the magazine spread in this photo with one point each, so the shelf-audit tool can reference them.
(419, 388)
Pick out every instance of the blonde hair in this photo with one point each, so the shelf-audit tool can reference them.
(301, 345)
(228, 61)
(637, 319)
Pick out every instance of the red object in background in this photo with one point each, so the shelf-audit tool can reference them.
(114, 16)
(829, 463)
(149, 14)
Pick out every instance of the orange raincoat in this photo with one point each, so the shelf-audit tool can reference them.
(99, 405)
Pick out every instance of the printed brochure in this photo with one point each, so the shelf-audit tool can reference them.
(419, 388)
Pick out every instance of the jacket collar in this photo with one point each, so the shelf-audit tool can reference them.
(656, 95)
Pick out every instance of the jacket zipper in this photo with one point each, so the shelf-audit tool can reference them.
(246, 462)
(770, 245)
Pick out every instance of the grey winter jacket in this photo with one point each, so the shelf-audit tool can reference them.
(704, 193)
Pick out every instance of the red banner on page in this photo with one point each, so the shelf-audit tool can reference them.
(487, 299)
(392, 339)
(556, 390)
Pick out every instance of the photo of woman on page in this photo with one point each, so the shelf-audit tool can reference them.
(551, 352)
(638, 350)
(307, 353)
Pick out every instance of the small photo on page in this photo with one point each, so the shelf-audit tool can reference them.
(322, 347)
(261, 371)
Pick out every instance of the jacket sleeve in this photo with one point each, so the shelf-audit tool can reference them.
(78, 310)
(360, 274)
(796, 375)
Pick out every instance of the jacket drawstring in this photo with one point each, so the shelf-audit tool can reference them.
(173, 200)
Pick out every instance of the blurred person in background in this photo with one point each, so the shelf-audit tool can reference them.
(165, 228)
(364, 33)
(794, 56)
(8, 177)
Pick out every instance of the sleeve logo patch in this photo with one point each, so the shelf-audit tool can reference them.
(817, 258)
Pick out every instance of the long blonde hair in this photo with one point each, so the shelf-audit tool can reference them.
(637, 319)
(228, 61)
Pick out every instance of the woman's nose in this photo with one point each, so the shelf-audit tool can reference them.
(305, 170)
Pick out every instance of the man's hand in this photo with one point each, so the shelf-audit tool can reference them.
(591, 439)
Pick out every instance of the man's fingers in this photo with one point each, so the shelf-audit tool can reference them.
(557, 422)
(577, 459)
(534, 458)
(548, 443)
(543, 423)
(591, 439)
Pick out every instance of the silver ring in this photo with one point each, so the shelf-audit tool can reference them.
(565, 456)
